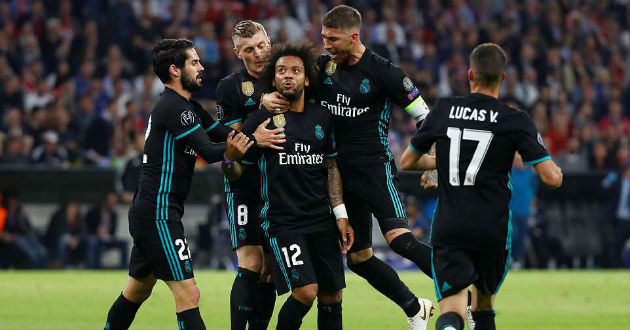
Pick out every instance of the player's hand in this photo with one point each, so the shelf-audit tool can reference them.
(267, 138)
(347, 234)
(275, 103)
(429, 180)
(236, 145)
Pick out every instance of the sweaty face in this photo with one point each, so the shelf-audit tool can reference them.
(337, 43)
(253, 51)
(290, 77)
(192, 72)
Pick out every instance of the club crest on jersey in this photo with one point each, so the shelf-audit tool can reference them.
(187, 118)
(220, 112)
(279, 120)
(407, 84)
(365, 86)
(331, 66)
(242, 234)
(247, 87)
(319, 132)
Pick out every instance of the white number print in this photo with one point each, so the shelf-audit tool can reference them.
(146, 136)
(294, 259)
(184, 251)
(455, 135)
(241, 215)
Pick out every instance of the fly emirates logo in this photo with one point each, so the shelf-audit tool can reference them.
(343, 108)
(301, 156)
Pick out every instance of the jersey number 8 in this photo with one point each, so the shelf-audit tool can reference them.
(455, 135)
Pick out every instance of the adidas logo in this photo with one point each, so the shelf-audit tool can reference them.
(250, 102)
(328, 81)
(445, 286)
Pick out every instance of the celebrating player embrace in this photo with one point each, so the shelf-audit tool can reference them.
(299, 186)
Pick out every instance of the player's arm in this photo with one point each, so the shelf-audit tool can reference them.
(234, 170)
(529, 145)
(412, 160)
(550, 174)
(417, 157)
(403, 92)
(335, 194)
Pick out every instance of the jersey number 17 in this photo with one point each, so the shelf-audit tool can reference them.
(455, 135)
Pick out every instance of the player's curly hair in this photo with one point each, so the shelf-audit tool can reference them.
(302, 49)
(169, 51)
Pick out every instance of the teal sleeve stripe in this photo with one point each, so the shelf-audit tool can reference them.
(246, 162)
(414, 149)
(187, 132)
(539, 160)
(212, 126)
(334, 154)
(232, 122)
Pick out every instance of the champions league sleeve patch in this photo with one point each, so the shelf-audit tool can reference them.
(187, 118)
(220, 113)
(407, 84)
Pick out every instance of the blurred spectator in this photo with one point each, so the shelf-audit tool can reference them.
(282, 27)
(15, 151)
(575, 159)
(418, 223)
(66, 236)
(19, 234)
(98, 138)
(524, 186)
(131, 171)
(102, 222)
(50, 153)
(617, 185)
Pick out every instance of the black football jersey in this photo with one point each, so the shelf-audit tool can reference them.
(293, 181)
(178, 130)
(237, 97)
(476, 137)
(361, 98)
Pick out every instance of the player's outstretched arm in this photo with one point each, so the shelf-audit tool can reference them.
(335, 194)
(412, 161)
(550, 174)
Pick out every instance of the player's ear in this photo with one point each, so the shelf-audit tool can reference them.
(237, 53)
(354, 37)
(471, 75)
(306, 82)
(503, 76)
(174, 70)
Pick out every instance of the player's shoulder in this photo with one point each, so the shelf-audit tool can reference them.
(376, 61)
(229, 81)
(170, 103)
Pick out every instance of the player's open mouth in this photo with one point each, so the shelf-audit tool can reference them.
(287, 85)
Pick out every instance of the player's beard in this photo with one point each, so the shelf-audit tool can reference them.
(190, 84)
(293, 94)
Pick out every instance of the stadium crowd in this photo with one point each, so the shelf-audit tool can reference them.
(77, 87)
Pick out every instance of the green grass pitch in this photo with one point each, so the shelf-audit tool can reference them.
(528, 300)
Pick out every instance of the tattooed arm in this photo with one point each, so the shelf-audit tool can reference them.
(335, 194)
(335, 190)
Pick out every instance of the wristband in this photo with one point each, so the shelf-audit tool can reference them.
(340, 211)
(228, 163)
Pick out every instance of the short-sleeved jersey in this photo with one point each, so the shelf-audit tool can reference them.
(476, 137)
(237, 97)
(168, 161)
(293, 181)
(361, 97)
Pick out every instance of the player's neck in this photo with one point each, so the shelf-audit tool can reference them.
(298, 105)
(490, 91)
(177, 87)
(252, 73)
(356, 54)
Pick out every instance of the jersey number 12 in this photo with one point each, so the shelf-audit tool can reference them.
(455, 135)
